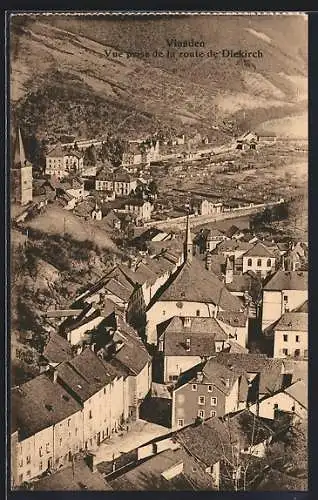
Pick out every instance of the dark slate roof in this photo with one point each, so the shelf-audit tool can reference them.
(194, 283)
(243, 282)
(288, 280)
(85, 375)
(202, 333)
(259, 250)
(57, 349)
(73, 479)
(270, 369)
(231, 318)
(41, 403)
(133, 354)
(302, 308)
(293, 321)
(147, 476)
(231, 245)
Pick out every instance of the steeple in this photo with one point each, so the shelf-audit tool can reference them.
(188, 245)
(19, 153)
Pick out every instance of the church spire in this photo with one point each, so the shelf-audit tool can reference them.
(19, 153)
(188, 245)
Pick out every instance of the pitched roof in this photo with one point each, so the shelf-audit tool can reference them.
(77, 478)
(259, 250)
(194, 283)
(19, 153)
(232, 318)
(302, 308)
(299, 392)
(233, 245)
(133, 353)
(202, 333)
(270, 369)
(57, 349)
(218, 374)
(85, 374)
(41, 403)
(288, 280)
(148, 474)
(56, 152)
(293, 321)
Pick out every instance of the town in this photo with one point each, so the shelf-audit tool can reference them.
(179, 362)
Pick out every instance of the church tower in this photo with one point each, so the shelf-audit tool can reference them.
(21, 174)
(188, 245)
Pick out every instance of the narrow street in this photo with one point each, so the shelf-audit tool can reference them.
(139, 433)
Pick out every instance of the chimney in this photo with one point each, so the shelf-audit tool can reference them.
(200, 377)
(188, 344)
(208, 261)
(187, 322)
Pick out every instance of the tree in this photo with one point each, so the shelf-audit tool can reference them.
(90, 156)
(153, 188)
(112, 150)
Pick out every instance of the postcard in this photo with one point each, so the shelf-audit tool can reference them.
(159, 249)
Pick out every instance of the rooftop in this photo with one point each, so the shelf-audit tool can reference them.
(293, 321)
(194, 283)
(85, 375)
(259, 250)
(299, 392)
(288, 280)
(236, 319)
(77, 478)
(57, 349)
(270, 369)
(41, 403)
(202, 332)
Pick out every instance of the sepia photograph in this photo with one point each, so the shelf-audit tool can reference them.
(158, 169)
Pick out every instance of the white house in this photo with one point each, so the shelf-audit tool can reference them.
(291, 336)
(284, 291)
(260, 260)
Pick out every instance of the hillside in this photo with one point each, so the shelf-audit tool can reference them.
(62, 81)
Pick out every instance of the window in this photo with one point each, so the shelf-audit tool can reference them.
(249, 262)
(269, 263)
(40, 466)
(198, 312)
(293, 408)
(276, 406)
(306, 353)
(21, 463)
(259, 262)
(285, 337)
(212, 413)
(297, 338)
(201, 400)
(47, 447)
(40, 451)
(214, 401)
(210, 388)
(297, 352)
(104, 390)
(90, 414)
(163, 313)
(285, 298)
(194, 387)
(68, 422)
(201, 413)
(180, 422)
(76, 430)
(28, 459)
(60, 441)
(285, 352)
